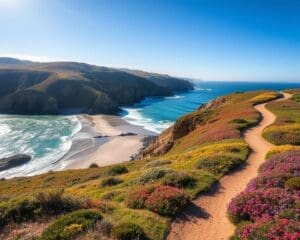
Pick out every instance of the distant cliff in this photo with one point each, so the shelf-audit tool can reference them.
(49, 88)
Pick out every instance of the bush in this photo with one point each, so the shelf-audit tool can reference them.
(94, 165)
(280, 135)
(19, 211)
(270, 180)
(219, 164)
(152, 175)
(43, 204)
(70, 225)
(272, 229)
(136, 199)
(117, 170)
(179, 179)
(53, 202)
(157, 163)
(293, 183)
(129, 231)
(252, 205)
(110, 181)
(166, 200)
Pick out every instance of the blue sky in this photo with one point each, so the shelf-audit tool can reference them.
(206, 39)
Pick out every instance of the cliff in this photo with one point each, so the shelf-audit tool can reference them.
(49, 88)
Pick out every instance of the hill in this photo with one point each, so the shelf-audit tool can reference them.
(138, 197)
(49, 88)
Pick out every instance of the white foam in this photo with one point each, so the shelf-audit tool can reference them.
(135, 117)
(174, 97)
(4, 129)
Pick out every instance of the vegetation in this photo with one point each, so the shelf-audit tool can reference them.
(286, 129)
(129, 231)
(110, 181)
(71, 225)
(149, 192)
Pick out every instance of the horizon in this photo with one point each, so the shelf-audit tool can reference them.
(207, 40)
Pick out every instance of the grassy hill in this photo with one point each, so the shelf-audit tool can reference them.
(49, 88)
(137, 198)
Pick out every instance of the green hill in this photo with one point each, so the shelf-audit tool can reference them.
(49, 88)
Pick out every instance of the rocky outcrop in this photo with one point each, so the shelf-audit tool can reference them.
(14, 161)
(50, 88)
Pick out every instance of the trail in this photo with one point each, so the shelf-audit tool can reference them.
(206, 218)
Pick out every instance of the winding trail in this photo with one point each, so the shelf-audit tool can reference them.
(206, 218)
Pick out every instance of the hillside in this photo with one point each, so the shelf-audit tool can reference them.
(49, 88)
(138, 197)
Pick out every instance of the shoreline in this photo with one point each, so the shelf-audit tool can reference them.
(108, 140)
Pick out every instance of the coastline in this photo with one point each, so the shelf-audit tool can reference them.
(104, 140)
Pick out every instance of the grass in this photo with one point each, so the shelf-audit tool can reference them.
(212, 135)
(286, 128)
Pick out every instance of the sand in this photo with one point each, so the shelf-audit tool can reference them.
(110, 148)
(206, 219)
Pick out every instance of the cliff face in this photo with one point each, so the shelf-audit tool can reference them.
(47, 88)
(182, 127)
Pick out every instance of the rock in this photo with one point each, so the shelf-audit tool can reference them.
(127, 134)
(14, 161)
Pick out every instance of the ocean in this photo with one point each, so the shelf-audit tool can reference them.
(156, 114)
(49, 138)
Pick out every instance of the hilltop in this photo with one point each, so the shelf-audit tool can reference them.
(50, 88)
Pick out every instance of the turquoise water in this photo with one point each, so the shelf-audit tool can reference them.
(156, 114)
(45, 138)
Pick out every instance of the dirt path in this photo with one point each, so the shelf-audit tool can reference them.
(206, 219)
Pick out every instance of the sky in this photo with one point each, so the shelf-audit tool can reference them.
(205, 39)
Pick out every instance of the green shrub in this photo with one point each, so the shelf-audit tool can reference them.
(53, 202)
(129, 231)
(110, 181)
(219, 164)
(293, 183)
(17, 211)
(152, 175)
(117, 170)
(70, 225)
(157, 163)
(94, 165)
(178, 179)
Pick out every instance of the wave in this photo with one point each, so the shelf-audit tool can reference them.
(46, 139)
(174, 97)
(202, 89)
(135, 117)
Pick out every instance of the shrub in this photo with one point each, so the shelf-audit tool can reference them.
(152, 175)
(268, 229)
(178, 179)
(286, 134)
(282, 162)
(293, 183)
(129, 231)
(136, 199)
(94, 165)
(270, 180)
(19, 211)
(156, 163)
(251, 205)
(70, 225)
(166, 200)
(53, 202)
(110, 181)
(117, 170)
(221, 164)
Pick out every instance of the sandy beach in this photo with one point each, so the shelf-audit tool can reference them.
(113, 140)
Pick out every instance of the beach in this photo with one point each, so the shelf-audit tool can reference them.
(112, 140)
